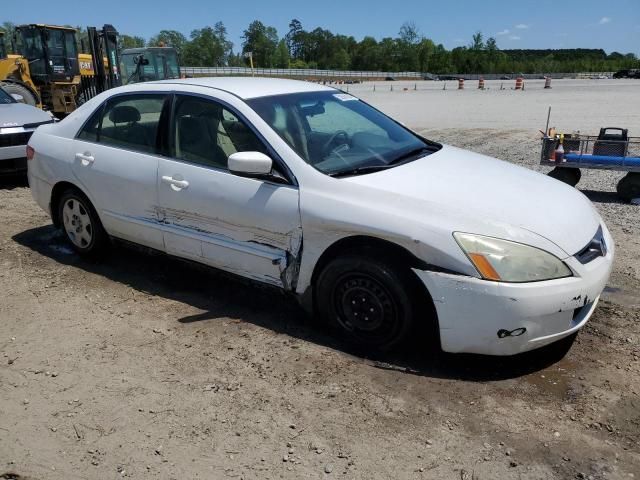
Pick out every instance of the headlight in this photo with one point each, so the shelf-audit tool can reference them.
(505, 261)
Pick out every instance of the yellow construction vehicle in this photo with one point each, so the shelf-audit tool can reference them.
(48, 72)
(45, 72)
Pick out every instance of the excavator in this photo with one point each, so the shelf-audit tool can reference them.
(48, 72)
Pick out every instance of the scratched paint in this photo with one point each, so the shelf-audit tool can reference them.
(285, 247)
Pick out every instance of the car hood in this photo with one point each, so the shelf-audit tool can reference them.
(19, 114)
(483, 195)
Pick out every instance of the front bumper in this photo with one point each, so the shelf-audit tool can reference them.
(494, 318)
(13, 165)
(13, 144)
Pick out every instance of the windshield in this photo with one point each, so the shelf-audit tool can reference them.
(132, 72)
(31, 47)
(338, 134)
(160, 65)
(172, 70)
(5, 97)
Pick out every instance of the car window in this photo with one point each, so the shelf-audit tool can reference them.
(206, 133)
(5, 97)
(129, 122)
(89, 131)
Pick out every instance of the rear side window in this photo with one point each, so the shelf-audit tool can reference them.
(129, 122)
(90, 130)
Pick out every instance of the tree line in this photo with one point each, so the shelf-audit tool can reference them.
(408, 51)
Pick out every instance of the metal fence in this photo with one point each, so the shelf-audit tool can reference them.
(294, 72)
(363, 76)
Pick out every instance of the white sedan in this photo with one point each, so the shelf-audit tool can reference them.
(376, 229)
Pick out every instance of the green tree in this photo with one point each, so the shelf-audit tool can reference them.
(262, 42)
(281, 58)
(426, 50)
(128, 41)
(295, 39)
(477, 42)
(205, 49)
(169, 38)
(409, 33)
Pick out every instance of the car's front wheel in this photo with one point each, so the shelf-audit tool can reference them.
(368, 300)
(81, 225)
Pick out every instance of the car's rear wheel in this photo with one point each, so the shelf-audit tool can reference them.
(368, 301)
(81, 224)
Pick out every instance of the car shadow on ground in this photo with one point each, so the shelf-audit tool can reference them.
(9, 182)
(220, 295)
(603, 197)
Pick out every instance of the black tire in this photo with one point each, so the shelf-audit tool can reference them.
(81, 225)
(27, 95)
(370, 302)
(568, 175)
(629, 186)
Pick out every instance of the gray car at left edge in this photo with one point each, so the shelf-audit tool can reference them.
(18, 121)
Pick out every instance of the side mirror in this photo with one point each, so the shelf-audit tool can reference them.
(250, 164)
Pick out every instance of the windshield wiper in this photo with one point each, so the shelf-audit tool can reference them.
(411, 153)
(358, 170)
(393, 163)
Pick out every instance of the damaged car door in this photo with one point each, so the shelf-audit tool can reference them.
(248, 226)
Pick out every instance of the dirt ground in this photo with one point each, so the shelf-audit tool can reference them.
(144, 367)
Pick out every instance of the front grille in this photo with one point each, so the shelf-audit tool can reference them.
(597, 247)
(15, 139)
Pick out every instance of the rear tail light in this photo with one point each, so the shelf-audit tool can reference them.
(30, 152)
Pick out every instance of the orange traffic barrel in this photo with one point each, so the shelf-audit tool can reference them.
(519, 83)
(547, 82)
(461, 84)
(481, 83)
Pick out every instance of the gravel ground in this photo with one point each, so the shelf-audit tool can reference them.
(144, 367)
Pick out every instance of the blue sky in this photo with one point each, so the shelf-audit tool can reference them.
(609, 24)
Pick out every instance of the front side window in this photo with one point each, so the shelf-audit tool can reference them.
(338, 134)
(129, 121)
(206, 133)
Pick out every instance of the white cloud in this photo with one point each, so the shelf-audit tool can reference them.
(503, 32)
(604, 20)
(514, 37)
(522, 26)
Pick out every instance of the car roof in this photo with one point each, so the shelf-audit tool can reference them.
(249, 87)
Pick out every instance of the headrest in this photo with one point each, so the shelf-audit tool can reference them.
(124, 114)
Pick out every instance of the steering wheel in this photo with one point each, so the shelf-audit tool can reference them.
(339, 136)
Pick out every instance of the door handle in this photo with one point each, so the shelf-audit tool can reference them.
(86, 158)
(176, 184)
